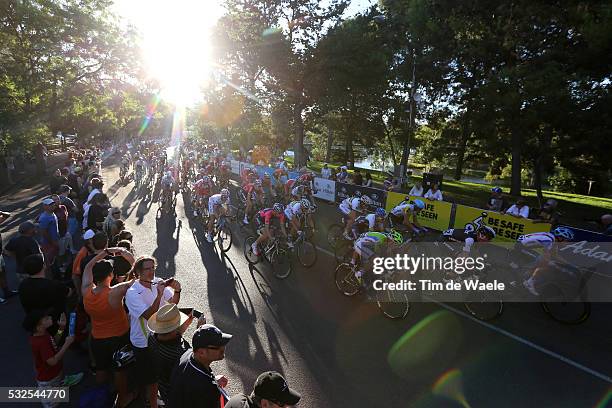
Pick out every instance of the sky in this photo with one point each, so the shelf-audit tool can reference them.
(175, 40)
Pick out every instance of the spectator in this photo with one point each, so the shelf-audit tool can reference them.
(110, 225)
(47, 357)
(388, 182)
(71, 207)
(357, 178)
(193, 383)
(84, 252)
(3, 283)
(416, 190)
(325, 172)
(96, 188)
(606, 222)
(496, 201)
(110, 327)
(121, 267)
(433, 193)
(22, 245)
(548, 213)
(48, 229)
(368, 180)
(270, 390)
(124, 235)
(56, 181)
(65, 240)
(38, 292)
(519, 209)
(342, 175)
(97, 212)
(166, 342)
(144, 298)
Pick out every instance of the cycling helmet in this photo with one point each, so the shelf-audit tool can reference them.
(206, 179)
(278, 208)
(486, 230)
(258, 183)
(407, 198)
(168, 173)
(396, 236)
(419, 204)
(496, 189)
(305, 204)
(225, 193)
(380, 212)
(364, 199)
(565, 233)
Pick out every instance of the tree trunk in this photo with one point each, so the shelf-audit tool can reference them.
(392, 147)
(330, 141)
(406, 148)
(545, 139)
(517, 139)
(465, 132)
(298, 148)
(348, 153)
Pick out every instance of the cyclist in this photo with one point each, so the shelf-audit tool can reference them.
(266, 184)
(277, 182)
(526, 245)
(349, 208)
(168, 185)
(224, 174)
(406, 214)
(140, 166)
(264, 218)
(294, 213)
(372, 222)
(373, 243)
(216, 208)
(202, 190)
(254, 193)
(125, 165)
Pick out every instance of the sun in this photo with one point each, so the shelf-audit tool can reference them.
(175, 40)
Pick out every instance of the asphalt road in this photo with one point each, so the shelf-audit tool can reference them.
(341, 352)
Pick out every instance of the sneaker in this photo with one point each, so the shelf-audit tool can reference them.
(71, 380)
(245, 221)
(209, 237)
(529, 285)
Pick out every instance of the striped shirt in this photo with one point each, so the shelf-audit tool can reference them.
(538, 239)
(168, 354)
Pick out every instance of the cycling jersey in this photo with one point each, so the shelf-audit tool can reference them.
(370, 243)
(167, 181)
(252, 190)
(349, 204)
(369, 219)
(297, 191)
(538, 239)
(268, 214)
(203, 188)
(403, 208)
(293, 209)
(214, 202)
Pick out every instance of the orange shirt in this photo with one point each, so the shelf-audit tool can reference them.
(76, 265)
(106, 321)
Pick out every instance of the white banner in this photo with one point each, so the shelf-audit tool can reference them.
(235, 166)
(326, 189)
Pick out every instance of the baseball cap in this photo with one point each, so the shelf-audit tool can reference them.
(89, 234)
(209, 335)
(47, 201)
(273, 387)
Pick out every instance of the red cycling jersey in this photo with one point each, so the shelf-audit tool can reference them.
(202, 187)
(289, 185)
(267, 214)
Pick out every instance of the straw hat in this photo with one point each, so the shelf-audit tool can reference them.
(166, 319)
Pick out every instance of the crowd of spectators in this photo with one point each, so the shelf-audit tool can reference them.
(76, 262)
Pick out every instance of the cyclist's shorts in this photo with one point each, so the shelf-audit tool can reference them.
(365, 249)
(214, 208)
(396, 219)
(344, 212)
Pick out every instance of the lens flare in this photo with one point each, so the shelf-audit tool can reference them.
(450, 385)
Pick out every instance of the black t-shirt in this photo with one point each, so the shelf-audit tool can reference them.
(43, 293)
(22, 246)
(240, 401)
(70, 206)
(193, 385)
(96, 215)
(120, 266)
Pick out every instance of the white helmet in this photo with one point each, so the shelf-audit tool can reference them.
(305, 204)
(364, 199)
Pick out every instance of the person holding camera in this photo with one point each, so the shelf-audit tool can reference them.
(143, 299)
(110, 326)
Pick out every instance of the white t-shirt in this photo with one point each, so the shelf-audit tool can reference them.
(522, 212)
(430, 195)
(414, 191)
(92, 194)
(138, 299)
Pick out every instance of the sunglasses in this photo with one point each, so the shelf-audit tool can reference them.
(117, 213)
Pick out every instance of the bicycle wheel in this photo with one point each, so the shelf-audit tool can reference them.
(334, 235)
(555, 304)
(248, 251)
(343, 252)
(392, 303)
(484, 308)
(306, 253)
(345, 279)
(280, 260)
(224, 237)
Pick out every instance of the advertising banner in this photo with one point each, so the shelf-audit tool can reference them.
(507, 227)
(435, 215)
(326, 189)
(235, 166)
(589, 236)
(344, 190)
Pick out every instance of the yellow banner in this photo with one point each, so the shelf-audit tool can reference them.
(507, 227)
(435, 215)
